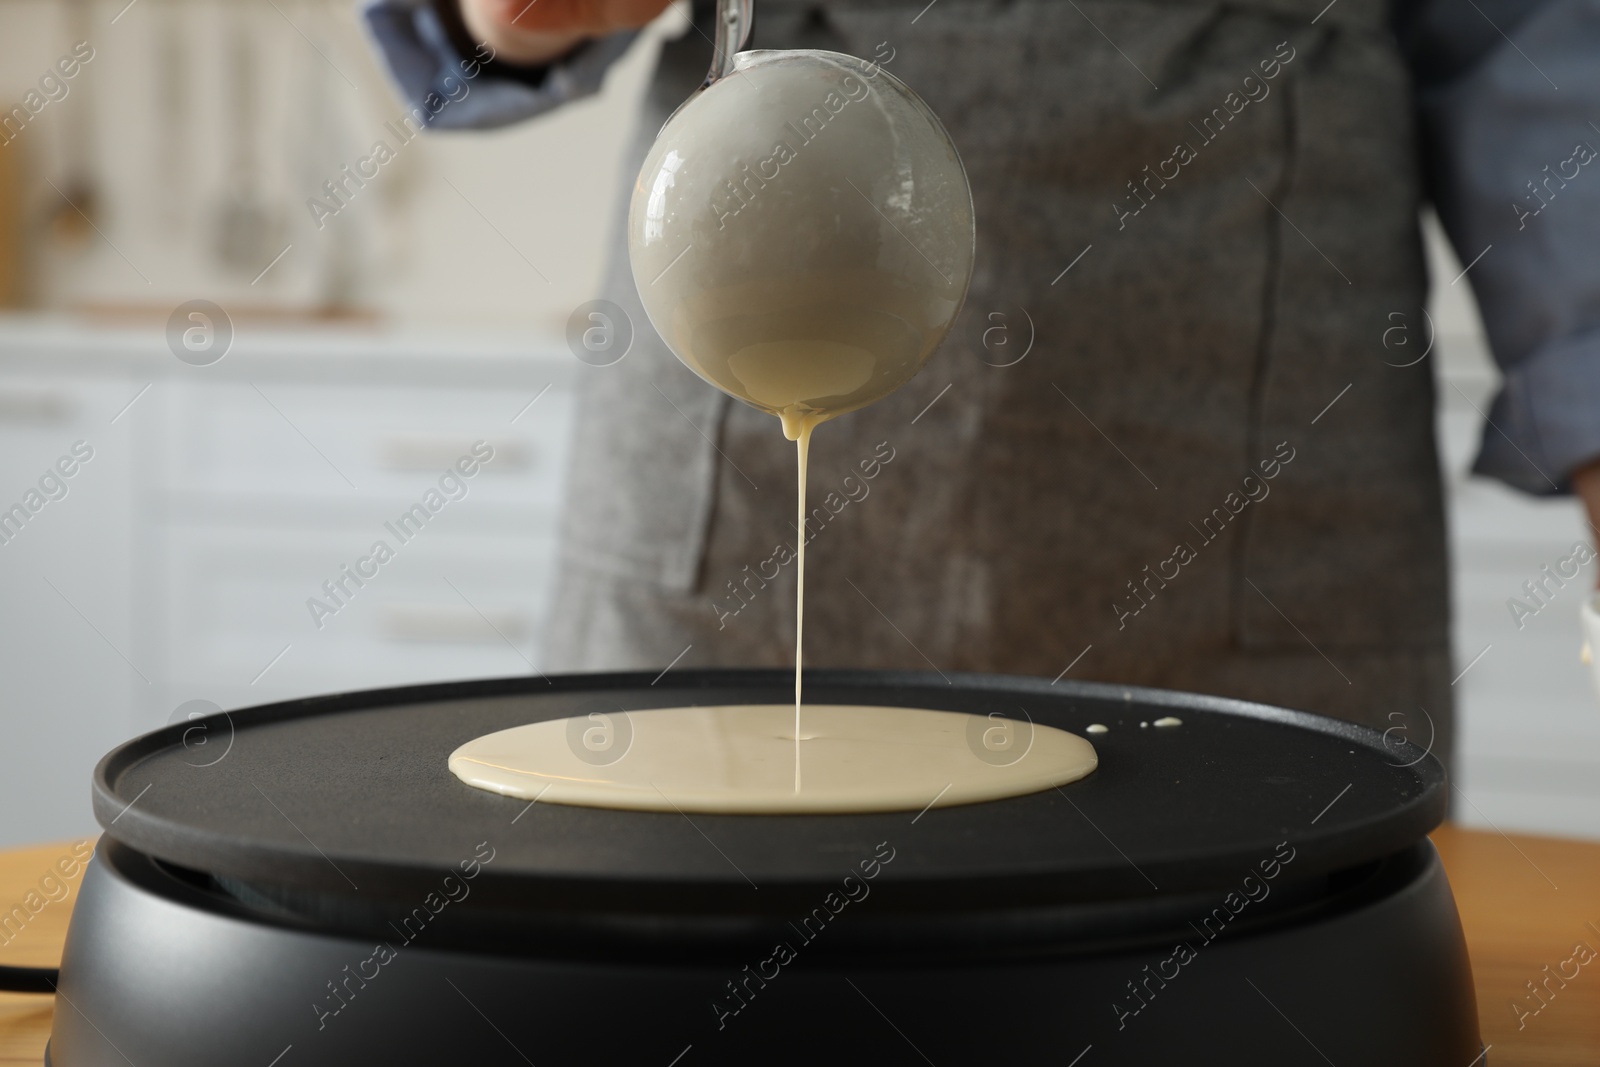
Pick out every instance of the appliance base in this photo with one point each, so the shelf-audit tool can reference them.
(154, 973)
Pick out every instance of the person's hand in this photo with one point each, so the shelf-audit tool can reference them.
(530, 32)
(1586, 483)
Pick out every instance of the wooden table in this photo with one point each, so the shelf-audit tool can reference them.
(1525, 903)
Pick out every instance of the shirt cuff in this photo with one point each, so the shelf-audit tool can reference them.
(449, 88)
(1545, 423)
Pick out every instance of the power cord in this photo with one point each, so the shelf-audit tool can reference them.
(29, 979)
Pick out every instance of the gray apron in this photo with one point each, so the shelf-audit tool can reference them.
(1158, 492)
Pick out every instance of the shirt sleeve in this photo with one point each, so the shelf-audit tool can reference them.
(453, 84)
(1508, 92)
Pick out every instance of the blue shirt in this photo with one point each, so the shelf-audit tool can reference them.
(1509, 145)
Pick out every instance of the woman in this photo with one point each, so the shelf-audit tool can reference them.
(1182, 434)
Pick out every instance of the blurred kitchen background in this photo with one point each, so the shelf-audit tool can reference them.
(366, 356)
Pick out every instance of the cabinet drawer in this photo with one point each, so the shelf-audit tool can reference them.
(337, 442)
(442, 606)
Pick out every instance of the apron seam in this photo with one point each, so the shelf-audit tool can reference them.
(699, 547)
(1272, 290)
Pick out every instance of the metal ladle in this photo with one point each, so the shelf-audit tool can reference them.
(804, 247)
(735, 18)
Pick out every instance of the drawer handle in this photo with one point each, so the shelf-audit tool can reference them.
(449, 624)
(36, 407)
(437, 454)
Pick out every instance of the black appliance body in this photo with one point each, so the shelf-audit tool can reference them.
(307, 884)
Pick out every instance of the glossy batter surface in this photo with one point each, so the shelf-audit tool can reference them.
(740, 759)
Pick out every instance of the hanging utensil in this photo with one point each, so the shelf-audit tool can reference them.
(172, 113)
(71, 218)
(246, 228)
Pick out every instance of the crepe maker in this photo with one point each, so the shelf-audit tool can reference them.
(306, 883)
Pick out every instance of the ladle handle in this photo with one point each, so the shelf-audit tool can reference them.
(734, 18)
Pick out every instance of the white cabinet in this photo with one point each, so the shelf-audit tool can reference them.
(70, 675)
(179, 562)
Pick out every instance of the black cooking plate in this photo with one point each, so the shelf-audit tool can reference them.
(351, 794)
